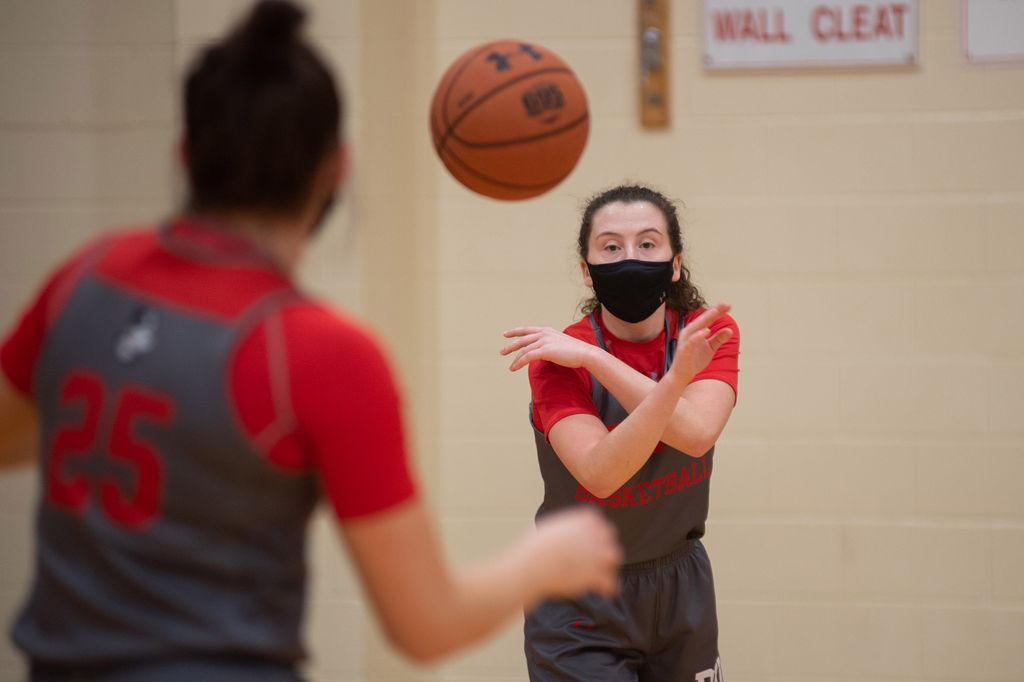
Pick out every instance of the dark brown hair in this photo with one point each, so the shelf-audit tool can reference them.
(682, 296)
(262, 112)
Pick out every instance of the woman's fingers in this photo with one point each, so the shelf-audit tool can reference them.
(528, 348)
(526, 356)
(720, 337)
(523, 336)
(520, 361)
(705, 319)
(520, 342)
(696, 336)
(520, 331)
(545, 344)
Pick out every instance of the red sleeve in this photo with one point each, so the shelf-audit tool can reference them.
(558, 392)
(314, 390)
(20, 350)
(21, 347)
(725, 365)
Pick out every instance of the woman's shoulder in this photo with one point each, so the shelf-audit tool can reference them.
(581, 329)
(324, 334)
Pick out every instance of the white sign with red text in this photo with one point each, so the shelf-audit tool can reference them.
(798, 33)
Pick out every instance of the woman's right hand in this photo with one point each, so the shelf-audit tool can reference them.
(545, 343)
(696, 345)
(576, 551)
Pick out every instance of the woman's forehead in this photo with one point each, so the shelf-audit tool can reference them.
(630, 218)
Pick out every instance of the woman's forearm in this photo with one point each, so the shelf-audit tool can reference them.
(685, 430)
(429, 611)
(18, 427)
(620, 453)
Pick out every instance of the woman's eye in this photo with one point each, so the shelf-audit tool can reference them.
(647, 245)
(611, 247)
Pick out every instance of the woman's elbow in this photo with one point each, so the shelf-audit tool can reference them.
(599, 488)
(700, 444)
(421, 649)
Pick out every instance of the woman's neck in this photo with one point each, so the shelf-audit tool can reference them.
(282, 240)
(635, 332)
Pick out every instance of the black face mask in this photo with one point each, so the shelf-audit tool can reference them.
(631, 290)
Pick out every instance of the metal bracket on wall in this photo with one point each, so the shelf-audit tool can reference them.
(654, 38)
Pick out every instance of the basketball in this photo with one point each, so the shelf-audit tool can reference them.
(509, 119)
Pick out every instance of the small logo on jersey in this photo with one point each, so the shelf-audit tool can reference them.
(139, 337)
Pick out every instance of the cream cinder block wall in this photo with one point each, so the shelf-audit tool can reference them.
(89, 118)
(86, 133)
(867, 517)
(867, 513)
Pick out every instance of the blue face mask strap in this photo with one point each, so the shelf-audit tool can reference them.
(670, 340)
(596, 328)
(597, 392)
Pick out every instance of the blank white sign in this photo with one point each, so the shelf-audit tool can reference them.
(994, 30)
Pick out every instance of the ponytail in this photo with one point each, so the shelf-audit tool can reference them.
(261, 113)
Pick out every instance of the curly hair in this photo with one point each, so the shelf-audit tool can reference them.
(682, 296)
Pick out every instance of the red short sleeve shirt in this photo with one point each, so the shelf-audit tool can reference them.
(311, 387)
(559, 392)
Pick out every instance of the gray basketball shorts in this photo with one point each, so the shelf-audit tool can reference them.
(213, 668)
(662, 626)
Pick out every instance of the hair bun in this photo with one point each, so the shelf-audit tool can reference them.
(272, 23)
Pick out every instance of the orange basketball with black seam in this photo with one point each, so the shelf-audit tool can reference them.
(509, 119)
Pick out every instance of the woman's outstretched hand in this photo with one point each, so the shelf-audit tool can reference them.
(697, 345)
(545, 343)
(577, 552)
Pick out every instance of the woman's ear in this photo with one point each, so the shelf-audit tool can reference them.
(677, 267)
(586, 274)
(341, 165)
(332, 172)
(183, 153)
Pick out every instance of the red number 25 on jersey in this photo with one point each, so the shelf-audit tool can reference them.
(132, 509)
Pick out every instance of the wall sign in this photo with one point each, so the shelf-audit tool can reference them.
(993, 30)
(770, 34)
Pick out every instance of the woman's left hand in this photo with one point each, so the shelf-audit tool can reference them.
(545, 343)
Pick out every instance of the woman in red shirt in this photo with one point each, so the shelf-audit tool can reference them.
(192, 406)
(627, 405)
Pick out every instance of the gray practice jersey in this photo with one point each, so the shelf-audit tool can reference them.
(660, 507)
(162, 531)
